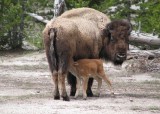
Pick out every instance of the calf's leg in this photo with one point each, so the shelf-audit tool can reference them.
(99, 80)
(72, 82)
(106, 79)
(77, 87)
(85, 83)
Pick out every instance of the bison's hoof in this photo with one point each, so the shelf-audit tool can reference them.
(66, 98)
(89, 94)
(56, 97)
(72, 93)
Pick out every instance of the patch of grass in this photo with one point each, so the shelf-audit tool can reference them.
(34, 34)
(36, 41)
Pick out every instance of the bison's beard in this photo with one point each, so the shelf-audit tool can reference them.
(117, 62)
(108, 57)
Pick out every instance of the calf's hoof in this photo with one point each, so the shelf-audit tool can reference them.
(76, 96)
(97, 95)
(65, 98)
(84, 98)
(112, 94)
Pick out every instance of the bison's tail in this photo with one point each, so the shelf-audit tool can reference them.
(53, 49)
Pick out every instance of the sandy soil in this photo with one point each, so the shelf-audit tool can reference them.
(26, 88)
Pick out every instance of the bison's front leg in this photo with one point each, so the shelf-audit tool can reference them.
(63, 86)
(55, 80)
(72, 81)
(89, 91)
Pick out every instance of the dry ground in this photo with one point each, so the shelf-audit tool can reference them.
(26, 88)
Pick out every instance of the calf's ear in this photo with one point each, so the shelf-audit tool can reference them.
(75, 64)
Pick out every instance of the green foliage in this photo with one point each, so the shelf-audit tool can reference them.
(83, 3)
(33, 34)
(10, 20)
(13, 20)
(149, 15)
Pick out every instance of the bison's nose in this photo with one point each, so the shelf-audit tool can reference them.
(121, 56)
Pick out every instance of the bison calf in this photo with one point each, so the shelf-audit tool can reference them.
(86, 68)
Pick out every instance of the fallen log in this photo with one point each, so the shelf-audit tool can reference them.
(39, 18)
(145, 38)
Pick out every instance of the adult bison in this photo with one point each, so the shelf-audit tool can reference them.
(82, 33)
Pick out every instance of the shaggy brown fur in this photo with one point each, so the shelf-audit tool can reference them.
(82, 36)
(83, 69)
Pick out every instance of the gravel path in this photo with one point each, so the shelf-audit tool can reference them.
(26, 88)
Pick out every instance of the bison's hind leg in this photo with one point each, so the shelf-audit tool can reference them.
(72, 82)
(56, 89)
(61, 77)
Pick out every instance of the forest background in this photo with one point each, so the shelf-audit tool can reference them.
(17, 26)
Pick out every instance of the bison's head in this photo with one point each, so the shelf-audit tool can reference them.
(116, 40)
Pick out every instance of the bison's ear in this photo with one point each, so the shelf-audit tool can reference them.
(105, 31)
(110, 27)
(108, 30)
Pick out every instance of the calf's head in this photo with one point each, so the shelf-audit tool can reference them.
(116, 40)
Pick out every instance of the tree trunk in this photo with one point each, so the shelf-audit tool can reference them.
(59, 7)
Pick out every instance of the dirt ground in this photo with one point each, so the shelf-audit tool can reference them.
(26, 88)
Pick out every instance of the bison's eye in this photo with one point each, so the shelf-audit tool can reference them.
(112, 39)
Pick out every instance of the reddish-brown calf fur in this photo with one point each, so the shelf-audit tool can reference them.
(86, 68)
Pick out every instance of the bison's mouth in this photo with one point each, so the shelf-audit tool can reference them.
(119, 58)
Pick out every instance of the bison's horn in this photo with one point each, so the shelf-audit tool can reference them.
(130, 25)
